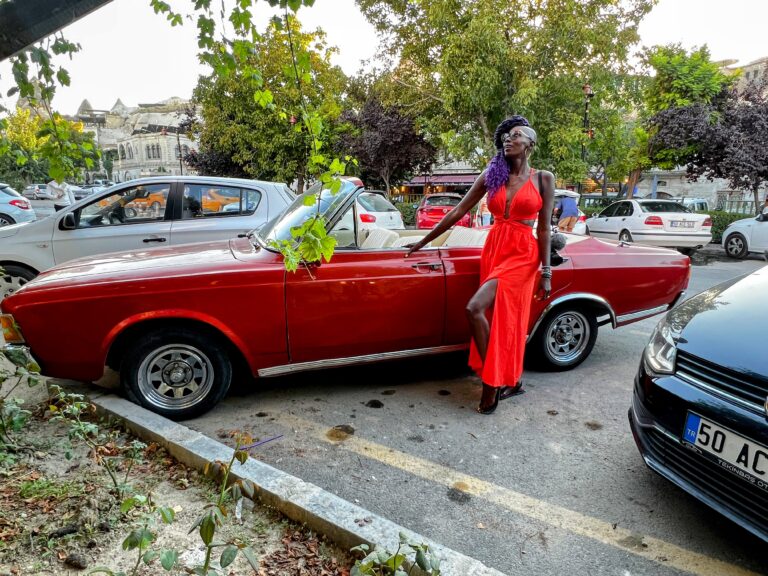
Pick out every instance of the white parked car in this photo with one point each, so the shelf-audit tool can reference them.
(135, 215)
(375, 211)
(745, 236)
(14, 208)
(655, 222)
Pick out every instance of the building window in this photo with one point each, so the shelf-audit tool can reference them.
(178, 152)
(661, 183)
(121, 152)
(185, 149)
(130, 152)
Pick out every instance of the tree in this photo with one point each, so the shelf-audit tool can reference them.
(239, 136)
(20, 163)
(727, 138)
(680, 79)
(478, 61)
(386, 144)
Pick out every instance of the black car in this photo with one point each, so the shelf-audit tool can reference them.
(699, 410)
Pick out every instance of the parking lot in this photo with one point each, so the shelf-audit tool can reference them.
(552, 483)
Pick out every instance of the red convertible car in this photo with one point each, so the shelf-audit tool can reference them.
(177, 322)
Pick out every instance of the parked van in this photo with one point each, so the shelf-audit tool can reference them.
(695, 204)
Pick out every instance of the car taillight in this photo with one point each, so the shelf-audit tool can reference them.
(23, 204)
(583, 218)
(369, 218)
(707, 222)
(654, 221)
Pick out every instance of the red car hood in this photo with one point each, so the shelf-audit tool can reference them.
(186, 259)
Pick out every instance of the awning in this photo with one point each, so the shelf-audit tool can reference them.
(443, 179)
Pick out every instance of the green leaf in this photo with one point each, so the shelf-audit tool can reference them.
(168, 559)
(150, 556)
(251, 557)
(207, 529)
(241, 456)
(167, 514)
(132, 540)
(127, 504)
(310, 200)
(422, 561)
(228, 556)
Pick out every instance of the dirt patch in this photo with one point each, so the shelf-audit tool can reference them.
(59, 514)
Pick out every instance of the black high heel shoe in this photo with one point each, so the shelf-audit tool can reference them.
(492, 408)
(509, 391)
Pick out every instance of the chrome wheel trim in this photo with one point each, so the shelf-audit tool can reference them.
(735, 245)
(5, 222)
(567, 337)
(175, 377)
(625, 237)
(10, 284)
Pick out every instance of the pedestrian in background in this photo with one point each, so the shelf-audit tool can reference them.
(569, 213)
(483, 216)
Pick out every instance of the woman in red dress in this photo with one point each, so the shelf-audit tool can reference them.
(498, 313)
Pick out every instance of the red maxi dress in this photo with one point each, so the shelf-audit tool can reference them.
(510, 256)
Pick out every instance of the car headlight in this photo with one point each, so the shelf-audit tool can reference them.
(661, 351)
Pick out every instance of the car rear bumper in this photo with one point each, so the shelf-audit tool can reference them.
(692, 240)
(20, 215)
(657, 419)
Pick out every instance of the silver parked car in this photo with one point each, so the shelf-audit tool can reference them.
(38, 192)
(139, 214)
(14, 208)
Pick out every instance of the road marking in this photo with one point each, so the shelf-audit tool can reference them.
(647, 547)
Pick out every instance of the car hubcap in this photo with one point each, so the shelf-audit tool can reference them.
(175, 377)
(735, 246)
(10, 285)
(625, 238)
(568, 336)
(4, 222)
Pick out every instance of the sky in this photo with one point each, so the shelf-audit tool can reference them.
(128, 52)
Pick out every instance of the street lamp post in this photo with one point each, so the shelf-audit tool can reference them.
(588, 95)
(181, 155)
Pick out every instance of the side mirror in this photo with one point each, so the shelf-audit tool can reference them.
(69, 222)
(760, 218)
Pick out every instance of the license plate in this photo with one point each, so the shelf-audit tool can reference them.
(730, 450)
(682, 224)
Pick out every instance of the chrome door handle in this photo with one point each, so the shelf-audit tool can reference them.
(430, 265)
(148, 240)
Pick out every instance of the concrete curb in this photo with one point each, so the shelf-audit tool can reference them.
(300, 501)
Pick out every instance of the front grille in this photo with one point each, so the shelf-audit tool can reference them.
(744, 499)
(751, 388)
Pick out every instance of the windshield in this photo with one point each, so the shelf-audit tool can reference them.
(375, 202)
(662, 207)
(441, 201)
(298, 213)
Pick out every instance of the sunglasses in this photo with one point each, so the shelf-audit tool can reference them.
(513, 135)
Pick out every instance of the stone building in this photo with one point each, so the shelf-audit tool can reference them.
(145, 139)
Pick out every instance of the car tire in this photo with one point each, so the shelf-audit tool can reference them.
(736, 246)
(12, 278)
(565, 338)
(625, 236)
(6, 220)
(176, 372)
(687, 251)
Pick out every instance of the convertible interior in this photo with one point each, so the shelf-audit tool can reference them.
(383, 239)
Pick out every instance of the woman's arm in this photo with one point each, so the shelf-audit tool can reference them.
(470, 199)
(544, 231)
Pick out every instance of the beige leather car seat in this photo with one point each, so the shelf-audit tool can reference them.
(379, 238)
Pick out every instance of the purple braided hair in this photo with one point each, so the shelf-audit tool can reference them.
(497, 171)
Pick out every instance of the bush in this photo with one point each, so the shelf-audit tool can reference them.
(592, 210)
(408, 211)
(720, 221)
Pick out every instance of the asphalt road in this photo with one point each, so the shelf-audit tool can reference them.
(551, 484)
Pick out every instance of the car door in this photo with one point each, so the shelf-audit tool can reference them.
(622, 218)
(759, 235)
(369, 299)
(603, 225)
(115, 222)
(212, 211)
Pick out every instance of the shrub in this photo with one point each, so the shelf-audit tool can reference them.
(720, 221)
(408, 211)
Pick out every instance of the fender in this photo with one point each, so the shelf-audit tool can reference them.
(569, 297)
(174, 314)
